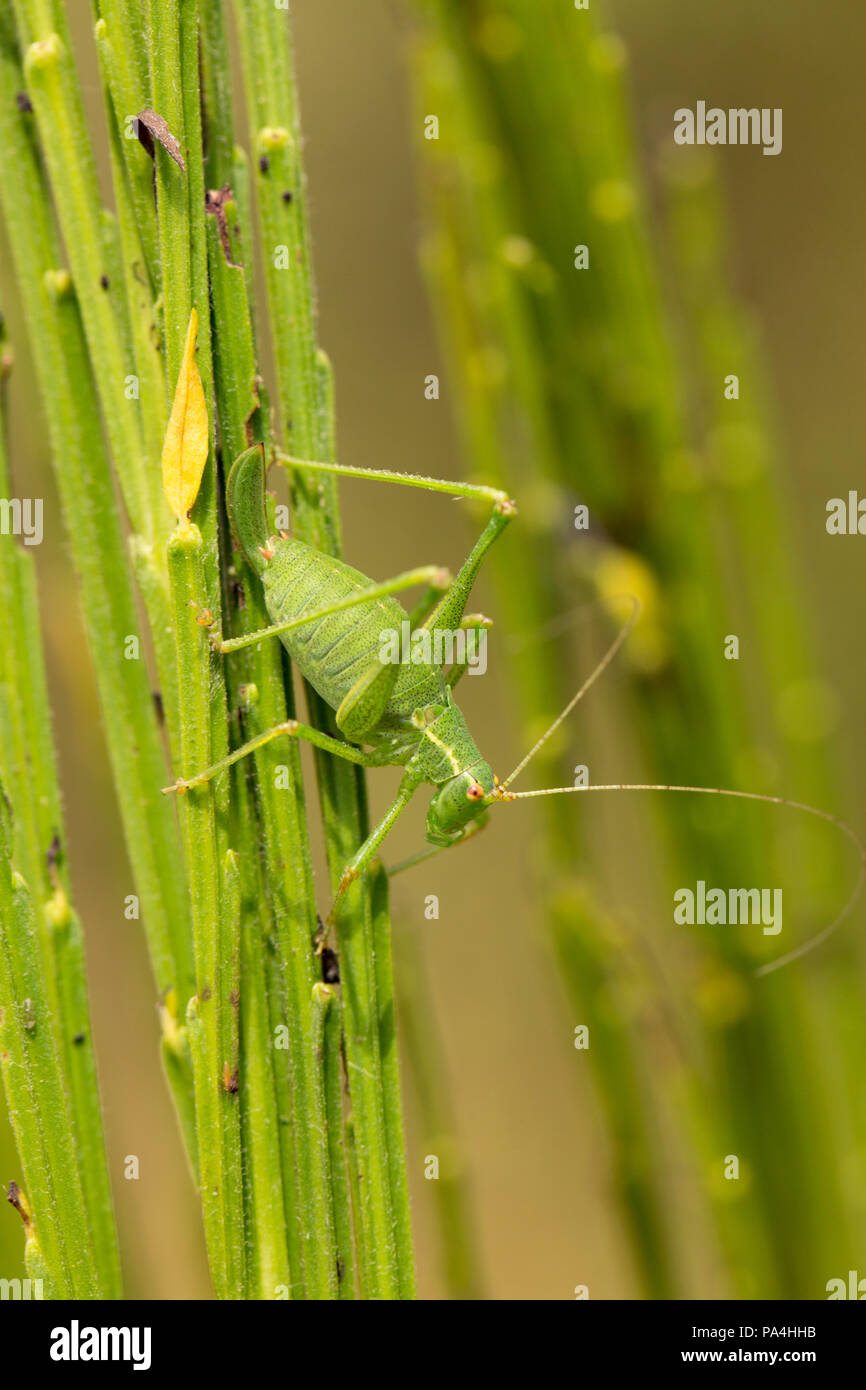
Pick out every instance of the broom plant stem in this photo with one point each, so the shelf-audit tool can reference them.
(306, 409)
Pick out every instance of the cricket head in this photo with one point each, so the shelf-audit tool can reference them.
(459, 803)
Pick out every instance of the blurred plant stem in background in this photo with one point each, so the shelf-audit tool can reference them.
(571, 393)
(451, 1187)
(603, 387)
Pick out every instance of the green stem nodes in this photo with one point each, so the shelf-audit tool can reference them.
(36, 1093)
(215, 901)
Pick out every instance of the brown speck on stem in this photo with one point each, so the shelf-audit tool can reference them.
(14, 1196)
(158, 706)
(287, 195)
(215, 200)
(330, 962)
(52, 856)
(23, 102)
(230, 1080)
(264, 164)
(103, 280)
(151, 126)
(79, 1039)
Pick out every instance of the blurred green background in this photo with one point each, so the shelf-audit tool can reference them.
(526, 1111)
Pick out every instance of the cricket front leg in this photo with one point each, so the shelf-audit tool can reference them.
(450, 609)
(362, 857)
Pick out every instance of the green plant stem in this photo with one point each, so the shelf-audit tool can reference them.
(123, 56)
(390, 1064)
(217, 103)
(83, 1085)
(215, 898)
(421, 1035)
(92, 525)
(172, 193)
(268, 1260)
(587, 354)
(287, 872)
(332, 1046)
(495, 408)
(29, 771)
(306, 408)
(36, 1094)
(54, 90)
(26, 749)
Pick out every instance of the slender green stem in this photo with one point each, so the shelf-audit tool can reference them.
(26, 750)
(307, 412)
(28, 767)
(476, 226)
(332, 1047)
(36, 1093)
(53, 87)
(80, 1064)
(172, 195)
(217, 102)
(269, 1270)
(592, 382)
(421, 1035)
(93, 528)
(215, 898)
(390, 1063)
(123, 58)
(265, 700)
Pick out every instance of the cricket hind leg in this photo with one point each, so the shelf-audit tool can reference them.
(448, 612)
(364, 706)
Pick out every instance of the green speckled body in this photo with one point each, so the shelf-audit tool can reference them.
(335, 652)
(403, 713)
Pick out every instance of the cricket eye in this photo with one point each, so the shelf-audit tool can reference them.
(475, 791)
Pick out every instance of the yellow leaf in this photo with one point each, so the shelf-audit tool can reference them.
(185, 451)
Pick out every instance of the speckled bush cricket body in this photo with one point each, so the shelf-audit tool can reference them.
(330, 618)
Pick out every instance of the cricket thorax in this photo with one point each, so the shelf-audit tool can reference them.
(448, 756)
(446, 747)
(460, 805)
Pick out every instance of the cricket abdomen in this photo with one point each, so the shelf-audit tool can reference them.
(334, 652)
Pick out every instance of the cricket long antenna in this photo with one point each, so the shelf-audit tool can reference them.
(587, 684)
(799, 951)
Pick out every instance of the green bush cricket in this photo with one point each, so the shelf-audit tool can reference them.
(330, 618)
